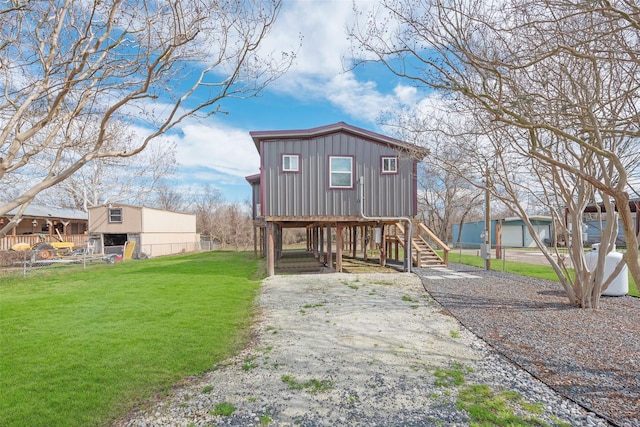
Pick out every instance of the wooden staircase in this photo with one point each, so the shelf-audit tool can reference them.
(422, 253)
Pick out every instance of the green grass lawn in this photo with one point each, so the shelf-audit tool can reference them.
(524, 269)
(83, 348)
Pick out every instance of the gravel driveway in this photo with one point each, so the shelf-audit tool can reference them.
(352, 349)
(590, 356)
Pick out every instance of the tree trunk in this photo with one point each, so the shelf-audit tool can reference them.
(628, 228)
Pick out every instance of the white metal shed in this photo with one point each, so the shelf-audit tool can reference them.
(156, 232)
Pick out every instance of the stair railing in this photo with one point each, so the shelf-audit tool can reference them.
(398, 235)
(417, 250)
(419, 245)
(416, 244)
(423, 229)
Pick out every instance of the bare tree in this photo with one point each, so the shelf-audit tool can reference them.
(293, 236)
(513, 174)
(565, 195)
(73, 73)
(449, 190)
(205, 206)
(558, 78)
(134, 180)
(445, 197)
(170, 199)
(239, 226)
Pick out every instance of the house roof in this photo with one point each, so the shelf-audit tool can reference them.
(136, 207)
(51, 212)
(531, 217)
(259, 136)
(633, 206)
(251, 179)
(117, 205)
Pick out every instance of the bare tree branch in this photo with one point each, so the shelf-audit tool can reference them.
(555, 83)
(71, 71)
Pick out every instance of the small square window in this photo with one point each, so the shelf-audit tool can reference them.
(290, 163)
(389, 165)
(115, 215)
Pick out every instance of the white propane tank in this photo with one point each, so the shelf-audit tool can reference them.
(620, 285)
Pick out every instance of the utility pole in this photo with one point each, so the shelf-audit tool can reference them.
(487, 221)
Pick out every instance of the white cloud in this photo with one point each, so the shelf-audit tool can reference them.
(210, 153)
(406, 94)
(359, 99)
(321, 26)
(227, 150)
(363, 100)
(216, 155)
(209, 146)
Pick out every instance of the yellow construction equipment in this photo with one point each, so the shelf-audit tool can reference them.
(44, 250)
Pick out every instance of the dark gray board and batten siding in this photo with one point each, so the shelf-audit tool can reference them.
(307, 193)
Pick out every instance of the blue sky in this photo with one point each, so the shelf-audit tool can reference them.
(315, 92)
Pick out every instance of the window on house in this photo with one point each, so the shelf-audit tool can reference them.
(389, 165)
(290, 163)
(115, 215)
(340, 172)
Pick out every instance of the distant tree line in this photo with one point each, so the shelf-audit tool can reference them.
(228, 224)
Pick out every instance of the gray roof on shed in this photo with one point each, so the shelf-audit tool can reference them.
(51, 212)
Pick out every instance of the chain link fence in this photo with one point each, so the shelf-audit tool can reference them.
(499, 255)
(31, 261)
(24, 263)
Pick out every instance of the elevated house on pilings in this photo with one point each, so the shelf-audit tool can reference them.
(346, 186)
